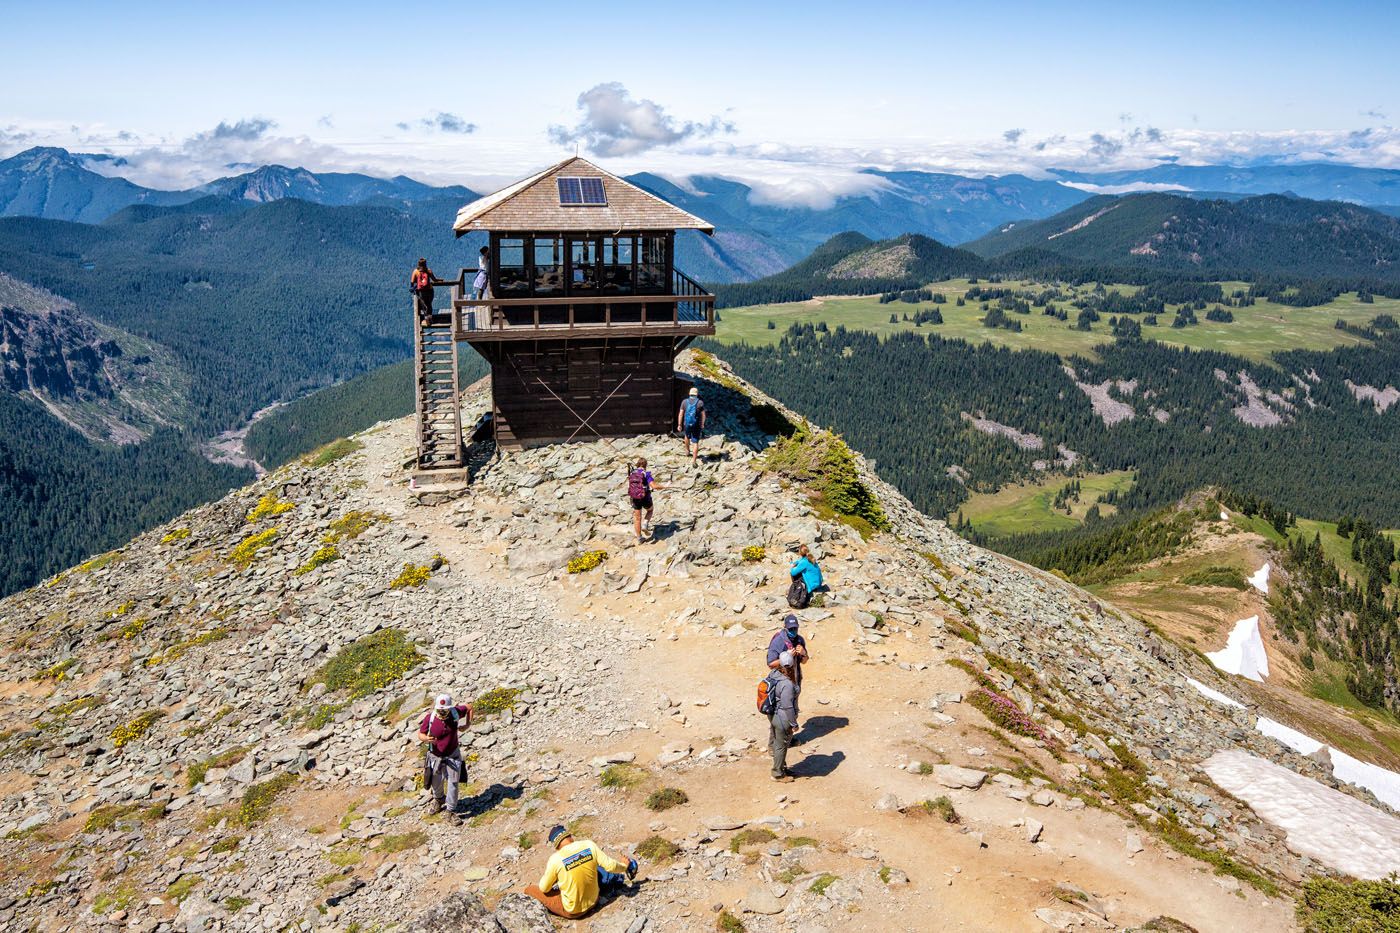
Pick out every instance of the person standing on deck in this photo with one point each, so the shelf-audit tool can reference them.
(690, 420)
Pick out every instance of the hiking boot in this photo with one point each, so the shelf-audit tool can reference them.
(784, 778)
(434, 808)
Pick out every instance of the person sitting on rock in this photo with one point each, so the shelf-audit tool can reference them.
(575, 874)
(786, 639)
(782, 722)
(639, 487)
(806, 570)
(443, 768)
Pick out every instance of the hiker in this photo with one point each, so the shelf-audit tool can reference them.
(575, 873)
(639, 487)
(483, 274)
(690, 421)
(787, 640)
(443, 768)
(782, 721)
(421, 282)
(806, 572)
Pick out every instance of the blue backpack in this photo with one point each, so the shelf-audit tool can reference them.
(692, 413)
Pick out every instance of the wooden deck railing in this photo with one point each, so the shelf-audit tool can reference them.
(688, 306)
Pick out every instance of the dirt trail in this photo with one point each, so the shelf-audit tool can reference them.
(867, 705)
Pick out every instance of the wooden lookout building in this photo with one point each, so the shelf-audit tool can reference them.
(585, 313)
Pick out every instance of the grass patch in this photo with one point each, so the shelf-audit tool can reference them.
(119, 898)
(225, 759)
(269, 506)
(495, 701)
(234, 904)
(657, 849)
(329, 453)
(1331, 905)
(178, 649)
(259, 799)
(942, 807)
(824, 881)
(794, 842)
(527, 840)
(666, 798)
(401, 842)
(623, 776)
(63, 670)
(181, 889)
(751, 837)
(247, 550)
(369, 664)
(107, 816)
(344, 858)
(100, 561)
(1217, 576)
(226, 845)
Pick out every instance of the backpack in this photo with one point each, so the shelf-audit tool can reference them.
(767, 695)
(637, 484)
(692, 413)
(798, 597)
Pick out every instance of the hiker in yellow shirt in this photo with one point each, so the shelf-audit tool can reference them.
(580, 869)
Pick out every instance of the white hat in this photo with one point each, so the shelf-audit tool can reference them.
(443, 701)
(694, 391)
(785, 659)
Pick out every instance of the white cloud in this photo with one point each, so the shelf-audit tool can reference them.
(613, 124)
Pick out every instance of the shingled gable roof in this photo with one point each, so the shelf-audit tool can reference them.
(533, 204)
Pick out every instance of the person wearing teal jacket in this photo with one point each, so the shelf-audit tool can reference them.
(811, 574)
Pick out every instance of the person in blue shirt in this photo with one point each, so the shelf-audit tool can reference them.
(807, 568)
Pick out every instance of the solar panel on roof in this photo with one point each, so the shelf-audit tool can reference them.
(570, 191)
(579, 192)
(592, 190)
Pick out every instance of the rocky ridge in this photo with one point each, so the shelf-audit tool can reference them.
(173, 756)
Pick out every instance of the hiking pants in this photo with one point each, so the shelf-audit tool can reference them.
(441, 774)
(553, 902)
(779, 739)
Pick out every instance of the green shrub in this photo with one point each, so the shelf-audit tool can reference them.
(323, 555)
(247, 550)
(753, 553)
(124, 735)
(728, 923)
(225, 759)
(401, 842)
(942, 807)
(268, 506)
(657, 849)
(495, 701)
(586, 561)
(666, 798)
(823, 462)
(351, 525)
(820, 885)
(751, 837)
(1332, 905)
(622, 776)
(412, 575)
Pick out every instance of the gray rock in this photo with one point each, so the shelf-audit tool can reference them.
(760, 901)
(954, 776)
(720, 824)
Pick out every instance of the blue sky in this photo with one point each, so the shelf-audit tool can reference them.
(779, 92)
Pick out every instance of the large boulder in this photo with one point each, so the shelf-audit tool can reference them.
(458, 912)
(520, 913)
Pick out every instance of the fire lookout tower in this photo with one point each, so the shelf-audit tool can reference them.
(584, 314)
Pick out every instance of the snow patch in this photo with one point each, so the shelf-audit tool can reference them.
(1322, 823)
(1379, 781)
(1243, 653)
(1213, 694)
(1260, 579)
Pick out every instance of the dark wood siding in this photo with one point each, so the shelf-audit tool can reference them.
(536, 383)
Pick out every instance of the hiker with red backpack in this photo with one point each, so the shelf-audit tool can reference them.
(778, 701)
(443, 768)
(639, 487)
(786, 639)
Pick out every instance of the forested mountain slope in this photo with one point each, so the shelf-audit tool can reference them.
(1255, 237)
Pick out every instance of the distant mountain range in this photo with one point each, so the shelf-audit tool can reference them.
(755, 237)
(1267, 235)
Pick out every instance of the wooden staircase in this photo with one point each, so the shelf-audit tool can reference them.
(435, 378)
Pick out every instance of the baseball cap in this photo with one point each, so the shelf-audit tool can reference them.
(785, 659)
(694, 391)
(790, 622)
(443, 701)
(558, 832)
